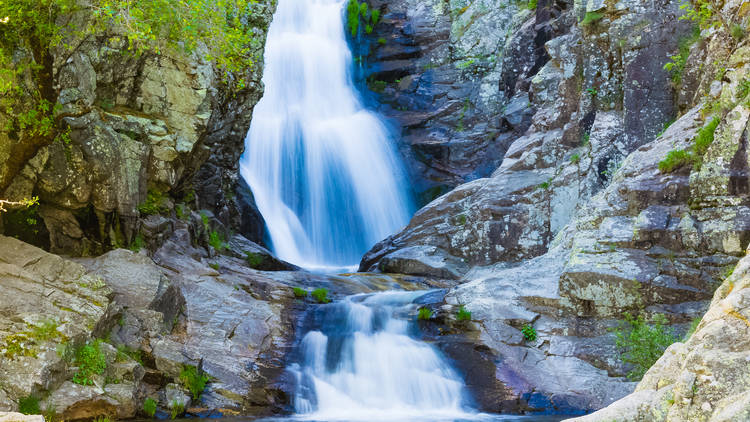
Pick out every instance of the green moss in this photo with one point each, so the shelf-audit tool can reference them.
(705, 137)
(591, 18)
(424, 314)
(149, 407)
(320, 295)
(193, 381)
(675, 159)
(641, 344)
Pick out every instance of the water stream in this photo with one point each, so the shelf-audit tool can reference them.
(362, 362)
(322, 168)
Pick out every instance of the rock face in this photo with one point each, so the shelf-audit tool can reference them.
(164, 124)
(461, 81)
(707, 377)
(578, 225)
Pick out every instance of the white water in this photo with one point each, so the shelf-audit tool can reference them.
(321, 167)
(363, 365)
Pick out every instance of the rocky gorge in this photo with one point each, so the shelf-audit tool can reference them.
(537, 137)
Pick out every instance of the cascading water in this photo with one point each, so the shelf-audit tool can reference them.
(321, 167)
(363, 364)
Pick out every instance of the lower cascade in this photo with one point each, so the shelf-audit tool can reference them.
(362, 363)
(321, 167)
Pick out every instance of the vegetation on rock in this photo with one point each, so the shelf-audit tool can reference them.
(29, 405)
(641, 344)
(149, 407)
(194, 381)
(463, 314)
(90, 361)
(358, 14)
(299, 292)
(320, 295)
(424, 314)
(529, 332)
(678, 158)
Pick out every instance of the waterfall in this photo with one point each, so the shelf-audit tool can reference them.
(362, 364)
(322, 168)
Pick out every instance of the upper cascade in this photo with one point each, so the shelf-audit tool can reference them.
(322, 168)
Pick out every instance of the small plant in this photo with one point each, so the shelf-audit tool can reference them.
(137, 244)
(543, 185)
(700, 11)
(592, 91)
(154, 204)
(194, 381)
(461, 219)
(678, 158)
(575, 158)
(176, 408)
(532, 4)
(216, 241)
(299, 293)
(320, 295)
(705, 137)
(641, 344)
(29, 405)
(214, 265)
(101, 419)
(90, 361)
(149, 407)
(465, 64)
(529, 333)
(463, 314)
(45, 330)
(22, 203)
(124, 353)
(591, 18)
(743, 88)
(254, 260)
(677, 66)
(585, 139)
(382, 41)
(738, 32)
(424, 314)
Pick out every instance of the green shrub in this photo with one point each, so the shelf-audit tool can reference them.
(529, 332)
(641, 344)
(154, 204)
(424, 314)
(254, 260)
(543, 185)
(29, 405)
(216, 241)
(176, 408)
(320, 295)
(675, 159)
(90, 361)
(700, 11)
(575, 158)
(677, 66)
(300, 293)
(463, 314)
(591, 18)
(149, 407)
(705, 137)
(193, 381)
(532, 4)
